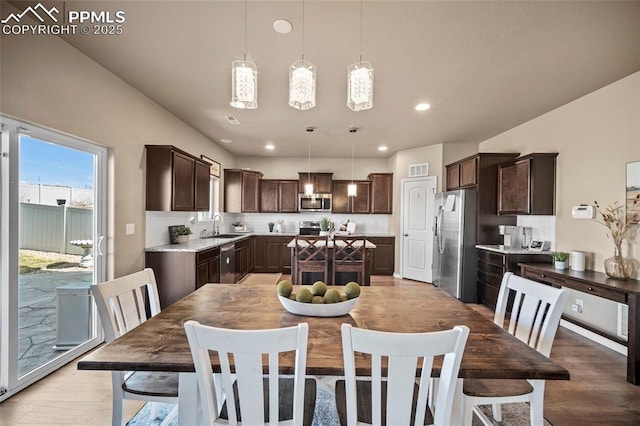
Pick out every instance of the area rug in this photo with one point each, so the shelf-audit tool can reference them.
(261, 279)
(326, 414)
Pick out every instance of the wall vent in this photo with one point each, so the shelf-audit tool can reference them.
(623, 321)
(419, 170)
(231, 119)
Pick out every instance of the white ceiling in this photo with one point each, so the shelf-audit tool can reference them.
(485, 67)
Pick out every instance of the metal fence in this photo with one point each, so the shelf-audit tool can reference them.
(51, 228)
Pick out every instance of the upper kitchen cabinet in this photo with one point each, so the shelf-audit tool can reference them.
(322, 182)
(342, 203)
(463, 174)
(482, 169)
(241, 189)
(176, 180)
(381, 192)
(528, 185)
(278, 196)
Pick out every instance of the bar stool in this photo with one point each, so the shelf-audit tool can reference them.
(349, 255)
(311, 255)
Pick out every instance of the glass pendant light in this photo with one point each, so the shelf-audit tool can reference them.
(360, 81)
(244, 78)
(352, 188)
(302, 80)
(308, 187)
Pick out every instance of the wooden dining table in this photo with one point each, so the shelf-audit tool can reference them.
(160, 344)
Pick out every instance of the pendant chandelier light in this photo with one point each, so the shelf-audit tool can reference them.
(244, 78)
(308, 187)
(302, 80)
(352, 188)
(360, 81)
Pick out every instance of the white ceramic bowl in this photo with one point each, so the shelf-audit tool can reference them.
(318, 310)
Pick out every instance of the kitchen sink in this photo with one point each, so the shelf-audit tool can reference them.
(222, 236)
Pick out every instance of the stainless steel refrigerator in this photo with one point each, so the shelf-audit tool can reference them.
(454, 252)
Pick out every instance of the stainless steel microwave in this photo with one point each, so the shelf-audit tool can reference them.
(314, 203)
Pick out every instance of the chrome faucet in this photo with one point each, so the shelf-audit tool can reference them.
(216, 229)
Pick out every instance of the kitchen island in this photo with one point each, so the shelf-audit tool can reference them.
(341, 277)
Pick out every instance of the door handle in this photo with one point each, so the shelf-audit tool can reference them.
(100, 253)
(406, 235)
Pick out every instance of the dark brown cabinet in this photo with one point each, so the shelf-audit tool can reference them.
(180, 273)
(322, 182)
(381, 192)
(207, 267)
(527, 185)
(382, 258)
(176, 180)
(278, 196)
(244, 257)
(342, 203)
(493, 265)
(464, 173)
(241, 190)
(272, 254)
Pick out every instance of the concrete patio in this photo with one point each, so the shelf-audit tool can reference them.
(37, 314)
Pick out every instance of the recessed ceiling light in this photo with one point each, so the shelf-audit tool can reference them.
(382, 148)
(270, 147)
(282, 26)
(422, 107)
(225, 140)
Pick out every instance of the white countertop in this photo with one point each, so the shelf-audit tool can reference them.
(502, 249)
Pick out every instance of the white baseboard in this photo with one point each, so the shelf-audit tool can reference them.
(594, 337)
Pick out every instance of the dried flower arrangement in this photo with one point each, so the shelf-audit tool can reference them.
(614, 218)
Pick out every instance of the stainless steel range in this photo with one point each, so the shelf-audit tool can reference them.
(309, 227)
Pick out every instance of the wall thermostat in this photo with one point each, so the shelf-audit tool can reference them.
(583, 211)
(537, 245)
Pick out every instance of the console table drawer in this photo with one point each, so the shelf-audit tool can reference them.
(606, 293)
(545, 278)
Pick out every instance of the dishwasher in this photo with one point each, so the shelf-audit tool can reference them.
(228, 264)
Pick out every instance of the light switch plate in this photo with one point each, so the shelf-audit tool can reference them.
(130, 229)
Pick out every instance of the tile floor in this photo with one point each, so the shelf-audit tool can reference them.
(37, 314)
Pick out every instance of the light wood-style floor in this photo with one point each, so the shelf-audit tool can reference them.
(597, 393)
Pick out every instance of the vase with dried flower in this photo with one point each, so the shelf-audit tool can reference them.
(614, 218)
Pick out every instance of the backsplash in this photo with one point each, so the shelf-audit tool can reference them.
(543, 228)
(158, 222)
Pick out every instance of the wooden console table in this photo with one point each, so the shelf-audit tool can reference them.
(598, 284)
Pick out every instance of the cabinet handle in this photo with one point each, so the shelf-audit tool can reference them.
(590, 288)
(542, 275)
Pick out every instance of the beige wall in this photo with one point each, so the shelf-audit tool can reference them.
(288, 167)
(595, 137)
(47, 82)
(400, 162)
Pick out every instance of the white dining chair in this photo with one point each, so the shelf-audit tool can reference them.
(257, 399)
(396, 399)
(121, 306)
(535, 316)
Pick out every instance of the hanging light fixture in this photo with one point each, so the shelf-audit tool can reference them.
(360, 81)
(352, 188)
(308, 187)
(302, 80)
(244, 78)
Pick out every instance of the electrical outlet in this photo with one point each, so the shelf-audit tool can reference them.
(130, 229)
(578, 306)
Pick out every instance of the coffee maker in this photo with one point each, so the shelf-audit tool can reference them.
(512, 236)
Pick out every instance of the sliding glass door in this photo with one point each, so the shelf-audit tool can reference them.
(53, 220)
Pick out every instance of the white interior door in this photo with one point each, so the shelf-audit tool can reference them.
(53, 209)
(417, 220)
